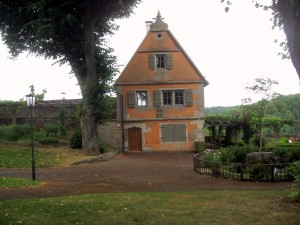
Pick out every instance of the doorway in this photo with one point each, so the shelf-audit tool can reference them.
(135, 139)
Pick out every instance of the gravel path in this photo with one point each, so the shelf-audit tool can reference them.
(126, 173)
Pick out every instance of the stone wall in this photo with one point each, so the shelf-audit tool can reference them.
(44, 112)
(111, 133)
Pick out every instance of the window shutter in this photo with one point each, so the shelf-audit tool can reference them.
(169, 61)
(180, 132)
(151, 62)
(157, 98)
(131, 99)
(189, 97)
(166, 132)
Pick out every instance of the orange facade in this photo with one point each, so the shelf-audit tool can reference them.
(161, 95)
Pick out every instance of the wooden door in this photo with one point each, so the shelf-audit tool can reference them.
(135, 139)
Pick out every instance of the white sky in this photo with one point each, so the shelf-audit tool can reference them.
(230, 49)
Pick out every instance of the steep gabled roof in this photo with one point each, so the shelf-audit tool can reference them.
(183, 71)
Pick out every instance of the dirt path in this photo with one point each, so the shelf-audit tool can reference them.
(128, 172)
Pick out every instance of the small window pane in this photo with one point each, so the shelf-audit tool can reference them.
(178, 97)
(160, 61)
(167, 97)
(142, 98)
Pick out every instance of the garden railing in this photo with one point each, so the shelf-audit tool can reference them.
(245, 172)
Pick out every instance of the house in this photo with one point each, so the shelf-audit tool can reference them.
(161, 95)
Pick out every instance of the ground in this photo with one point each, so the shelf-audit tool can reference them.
(126, 173)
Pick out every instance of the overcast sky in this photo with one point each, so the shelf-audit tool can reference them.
(230, 50)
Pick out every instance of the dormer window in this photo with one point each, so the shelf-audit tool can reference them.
(160, 61)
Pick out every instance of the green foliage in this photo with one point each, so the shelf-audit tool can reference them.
(76, 139)
(15, 132)
(40, 96)
(54, 130)
(236, 154)
(294, 169)
(49, 140)
(287, 153)
(260, 172)
(199, 146)
(70, 32)
(103, 146)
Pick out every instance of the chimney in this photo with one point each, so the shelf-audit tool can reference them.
(148, 23)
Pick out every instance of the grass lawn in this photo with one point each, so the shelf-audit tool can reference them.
(13, 156)
(17, 182)
(203, 207)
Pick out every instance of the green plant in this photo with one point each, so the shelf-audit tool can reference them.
(54, 130)
(103, 146)
(213, 161)
(76, 139)
(199, 146)
(14, 132)
(294, 169)
(236, 154)
(49, 140)
(260, 172)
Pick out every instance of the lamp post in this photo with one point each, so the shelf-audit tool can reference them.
(30, 103)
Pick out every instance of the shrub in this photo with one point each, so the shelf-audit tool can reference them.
(39, 135)
(54, 130)
(260, 172)
(294, 169)
(214, 162)
(76, 139)
(236, 154)
(103, 147)
(199, 146)
(287, 153)
(49, 140)
(15, 132)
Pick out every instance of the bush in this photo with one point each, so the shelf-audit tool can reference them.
(214, 162)
(294, 169)
(103, 147)
(49, 141)
(199, 146)
(15, 132)
(236, 154)
(287, 153)
(54, 130)
(260, 173)
(76, 140)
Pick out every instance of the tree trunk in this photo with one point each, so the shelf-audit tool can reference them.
(87, 120)
(89, 131)
(291, 27)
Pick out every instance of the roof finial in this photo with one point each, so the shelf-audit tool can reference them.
(159, 24)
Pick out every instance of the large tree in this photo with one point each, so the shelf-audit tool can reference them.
(70, 32)
(287, 15)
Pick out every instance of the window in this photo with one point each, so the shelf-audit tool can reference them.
(173, 97)
(142, 97)
(173, 132)
(167, 97)
(178, 95)
(137, 98)
(160, 61)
